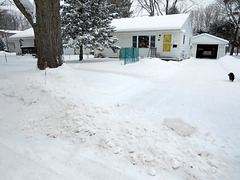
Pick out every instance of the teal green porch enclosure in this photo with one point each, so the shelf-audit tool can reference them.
(129, 55)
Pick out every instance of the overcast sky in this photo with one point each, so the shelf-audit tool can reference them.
(202, 3)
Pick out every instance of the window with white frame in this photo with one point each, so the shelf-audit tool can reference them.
(134, 41)
(143, 41)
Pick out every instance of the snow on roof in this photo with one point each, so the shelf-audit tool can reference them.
(10, 31)
(23, 34)
(211, 36)
(166, 22)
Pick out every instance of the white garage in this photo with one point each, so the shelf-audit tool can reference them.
(208, 46)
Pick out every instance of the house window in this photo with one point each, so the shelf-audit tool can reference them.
(143, 41)
(152, 44)
(134, 41)
(183, 39)
(167, 39)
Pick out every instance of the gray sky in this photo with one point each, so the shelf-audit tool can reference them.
(202, 3)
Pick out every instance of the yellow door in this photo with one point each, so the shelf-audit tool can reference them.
(167, 39)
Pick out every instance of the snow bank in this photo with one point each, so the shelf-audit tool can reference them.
(179, 126)
(103, 120)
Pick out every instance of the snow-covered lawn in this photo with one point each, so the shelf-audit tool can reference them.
(100, 119)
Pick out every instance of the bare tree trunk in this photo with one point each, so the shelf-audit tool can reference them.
(47, 29)
(167, 4)
(81, 53)
(235, 38)
(48, 33)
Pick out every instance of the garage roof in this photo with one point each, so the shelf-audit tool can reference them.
(208, 39)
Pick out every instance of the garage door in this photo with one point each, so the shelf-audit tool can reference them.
(207, 51)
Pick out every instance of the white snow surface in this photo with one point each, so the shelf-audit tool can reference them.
(165, 22)
(100, 119)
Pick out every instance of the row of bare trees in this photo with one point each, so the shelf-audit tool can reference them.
(11, 19)
(164, 7)
(222, 18)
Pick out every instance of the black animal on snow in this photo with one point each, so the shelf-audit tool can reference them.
(231, 76)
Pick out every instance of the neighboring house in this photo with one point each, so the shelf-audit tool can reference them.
(208, 46)
(169, 36)
(4, 35)
(25, 43)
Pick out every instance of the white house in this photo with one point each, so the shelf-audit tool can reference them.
(208, 46)
(169, 35)
(25, 43)
(4, 35)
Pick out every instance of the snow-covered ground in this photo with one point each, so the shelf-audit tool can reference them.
(100, 119)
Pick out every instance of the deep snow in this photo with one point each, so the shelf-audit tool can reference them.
(100, 119)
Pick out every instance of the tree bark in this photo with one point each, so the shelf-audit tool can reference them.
(48, 33)
(81, 53)
(47, 29)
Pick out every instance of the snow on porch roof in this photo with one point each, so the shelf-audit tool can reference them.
(24, 34)
(166, 22)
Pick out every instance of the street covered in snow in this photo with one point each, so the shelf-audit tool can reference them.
(100, 119)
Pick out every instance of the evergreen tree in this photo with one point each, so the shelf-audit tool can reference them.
(87, 24)
(224, 29)
(121, 8)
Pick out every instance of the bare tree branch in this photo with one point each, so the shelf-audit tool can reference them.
(24, 11)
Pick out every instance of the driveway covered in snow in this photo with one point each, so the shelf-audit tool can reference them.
(99, 119)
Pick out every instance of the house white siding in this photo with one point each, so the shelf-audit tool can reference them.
(176, 40)
(186, 47)
(221, 51)
(26, 42)
(126, 40)
(180, 35)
